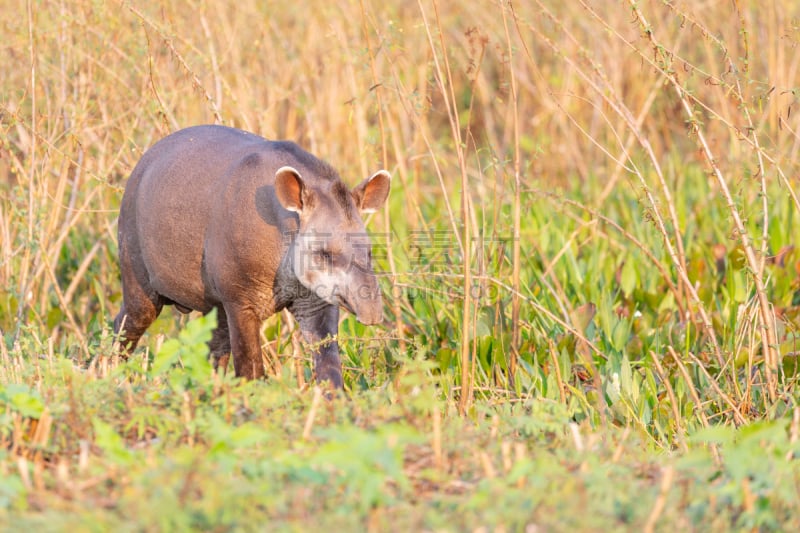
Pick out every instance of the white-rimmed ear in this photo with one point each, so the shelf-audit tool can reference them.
(371, 193)
(290, 189)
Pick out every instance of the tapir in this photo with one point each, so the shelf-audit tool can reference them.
(216, 217)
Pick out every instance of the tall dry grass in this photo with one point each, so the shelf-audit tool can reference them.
(472, 105)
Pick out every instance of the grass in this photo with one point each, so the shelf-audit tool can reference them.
(588, 255)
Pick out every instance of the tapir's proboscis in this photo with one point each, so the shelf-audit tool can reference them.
(215, 217)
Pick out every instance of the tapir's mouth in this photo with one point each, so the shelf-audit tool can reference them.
(367, 316)
(344, 303)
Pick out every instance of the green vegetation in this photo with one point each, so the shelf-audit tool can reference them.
(593, 291)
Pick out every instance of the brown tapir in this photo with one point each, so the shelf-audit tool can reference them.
(215, 217)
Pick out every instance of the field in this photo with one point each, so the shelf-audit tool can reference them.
(589, 261)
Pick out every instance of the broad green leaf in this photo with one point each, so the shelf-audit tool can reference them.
(111, 443)
(714, 434)
(22, 399)
(628, 277)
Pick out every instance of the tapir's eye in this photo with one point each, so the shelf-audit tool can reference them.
(322, 257)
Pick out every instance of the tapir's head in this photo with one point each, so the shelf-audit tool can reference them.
(332, 253)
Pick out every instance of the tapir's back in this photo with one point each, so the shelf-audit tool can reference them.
(177, 174)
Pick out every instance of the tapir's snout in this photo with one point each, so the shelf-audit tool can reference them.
(366, 302)
(372, 313)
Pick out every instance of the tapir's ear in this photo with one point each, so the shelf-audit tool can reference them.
(290, 189)
(372, 192)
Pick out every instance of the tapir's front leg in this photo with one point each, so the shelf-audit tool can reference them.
(319, 325)
(245, 341)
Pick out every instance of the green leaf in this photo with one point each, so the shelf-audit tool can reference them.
(166, 356)
(191, 350)
(628, 277)
(23, 399)
(737, 279)
(247, 435)
(714, 434)
(111, 443)
(620, 334)
(625, 377)
(12, 491)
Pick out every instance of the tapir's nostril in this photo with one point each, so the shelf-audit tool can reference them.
(371, 318)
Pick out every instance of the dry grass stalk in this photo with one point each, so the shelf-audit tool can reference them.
(516, 220)
(769, 338)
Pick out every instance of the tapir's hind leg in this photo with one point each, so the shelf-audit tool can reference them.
(220, 344)
(133, 320)
(140, 307)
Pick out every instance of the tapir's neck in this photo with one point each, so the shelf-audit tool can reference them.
(285, 280)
